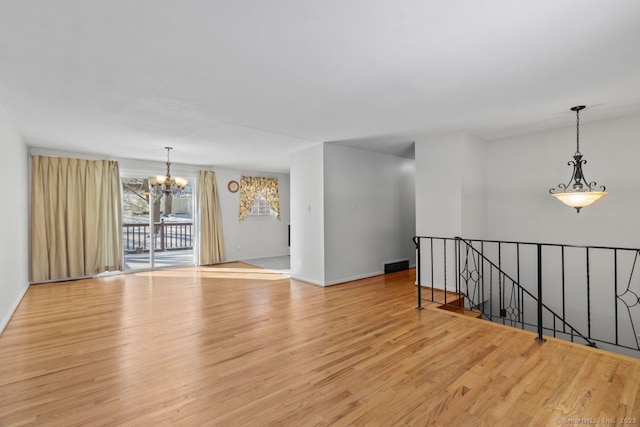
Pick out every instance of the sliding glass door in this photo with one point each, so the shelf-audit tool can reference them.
(157, 231)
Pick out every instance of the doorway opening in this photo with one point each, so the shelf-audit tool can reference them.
(156, 232)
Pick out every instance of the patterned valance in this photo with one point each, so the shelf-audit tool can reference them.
(250, 188)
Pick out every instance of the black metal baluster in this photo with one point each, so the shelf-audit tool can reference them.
(522, 299)
(491, 293)
(540, 338)
(564, 307)
(444, 245)
(456, 283)
(518, 277)
(500, 284)
(588, 298)
(615, 289)
(432, 284)
(482, 273)
(416, 241)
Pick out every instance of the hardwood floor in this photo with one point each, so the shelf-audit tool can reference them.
(236, 345)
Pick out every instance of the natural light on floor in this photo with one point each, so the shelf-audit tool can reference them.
(218, 273)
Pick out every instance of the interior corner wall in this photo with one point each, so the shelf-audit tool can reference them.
(473, 187)
(451, 186)
(438, 186)
(520, 170)
(369, 212)
(256, 236)
(14, 216)
(307, 214)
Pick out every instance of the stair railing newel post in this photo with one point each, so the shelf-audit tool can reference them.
(590, 343)
(444, 252)
(431, 265)
(520, 294)
(501, 285)
(481, 259)
(540, 338)
(588, 296)
(615, 290)
(564, 306)
(456, 252)
(416, 241)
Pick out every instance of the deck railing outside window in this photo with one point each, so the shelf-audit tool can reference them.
(167, 236)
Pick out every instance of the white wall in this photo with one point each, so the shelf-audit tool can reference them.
(307, 215)
(473, 187)
(499, 190)
(451, 186)
(14, 258)
(256, 236)
(369, 212)
(521, 170)
(438, 186)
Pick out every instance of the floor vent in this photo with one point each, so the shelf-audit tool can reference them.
(392, 267)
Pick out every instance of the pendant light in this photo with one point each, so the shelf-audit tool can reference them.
(161, 185)
(579, 192)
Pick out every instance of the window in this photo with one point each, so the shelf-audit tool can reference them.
(259, 197)
(261, 206)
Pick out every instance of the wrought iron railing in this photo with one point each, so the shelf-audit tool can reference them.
(166, 236)
(585, 293)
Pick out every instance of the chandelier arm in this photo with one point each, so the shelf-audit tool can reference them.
(591, 184)
(561, 188)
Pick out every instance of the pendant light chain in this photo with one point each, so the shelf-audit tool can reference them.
(578, 132)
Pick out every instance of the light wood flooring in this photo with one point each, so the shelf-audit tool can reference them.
(237, 345)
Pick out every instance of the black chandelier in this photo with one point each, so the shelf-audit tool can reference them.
(166, 185)
(578, 192)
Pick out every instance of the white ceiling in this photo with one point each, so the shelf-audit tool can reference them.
(243, 83)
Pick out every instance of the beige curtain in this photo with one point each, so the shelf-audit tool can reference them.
(211, 242)
(76, 218)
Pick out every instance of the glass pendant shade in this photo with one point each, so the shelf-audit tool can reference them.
(579, 199)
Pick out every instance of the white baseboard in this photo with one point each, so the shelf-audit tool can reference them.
(307, 280)
(358, 277)
(5, 320)
(338, 281)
